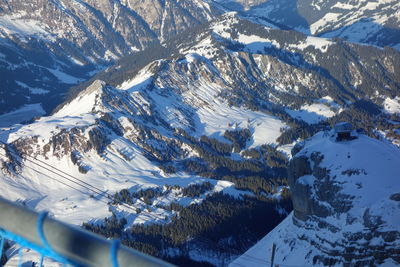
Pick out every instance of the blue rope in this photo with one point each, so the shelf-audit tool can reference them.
(1, 247)
(20, 255)
(41, 260)
(25, 243)
(114, 252)
(44, 249)
(39, 229)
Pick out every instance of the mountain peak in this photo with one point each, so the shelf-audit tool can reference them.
(85, 102)
(346, 205)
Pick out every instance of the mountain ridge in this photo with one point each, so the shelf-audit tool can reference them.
(341, 19)
(72, 40)
(194, 93)
(52, 45)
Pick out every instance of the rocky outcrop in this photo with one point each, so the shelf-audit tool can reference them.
(319, 193)
(313, 187)
(346, 205)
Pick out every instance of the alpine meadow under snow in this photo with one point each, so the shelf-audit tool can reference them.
(202, 132)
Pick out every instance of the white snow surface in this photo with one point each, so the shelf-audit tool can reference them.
(14, 24)
(22, 114)
(257, 44)
(341, 16)
(392, 106)
(313, 113)
(222, 27)
(33, 90)
(29, 256)
(253, 43)
(317, 42)
(217, 116)
(371, 189)
(84, 103)
(265, 128)
(64, 77)
(356, 21)
(328, 18)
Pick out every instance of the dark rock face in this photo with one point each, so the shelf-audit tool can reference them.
(300, 193)
(304, 192)
(395, 197)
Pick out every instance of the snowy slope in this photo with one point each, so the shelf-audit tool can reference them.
(121, 165)
(313, 113)
(375, 22)
(364, 172)
(392, 106)
(14, 24)
(319, 111)
(23, 114)
(102, 137)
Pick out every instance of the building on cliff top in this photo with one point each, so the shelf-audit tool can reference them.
(343, 131)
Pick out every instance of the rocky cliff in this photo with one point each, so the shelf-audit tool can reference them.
(346, 206)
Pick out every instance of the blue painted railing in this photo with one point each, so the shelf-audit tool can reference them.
(66, 244)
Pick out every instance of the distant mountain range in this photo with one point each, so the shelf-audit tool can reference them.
(370, 22)
(49, 46)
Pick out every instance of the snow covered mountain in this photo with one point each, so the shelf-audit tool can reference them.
(214, 110)
(48, 46)
(285, 73)
(375, 22)
(99, 30)
(197, 124)
(346, 207)
(134, 137)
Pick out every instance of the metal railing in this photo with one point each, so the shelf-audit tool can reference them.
(65, 243)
